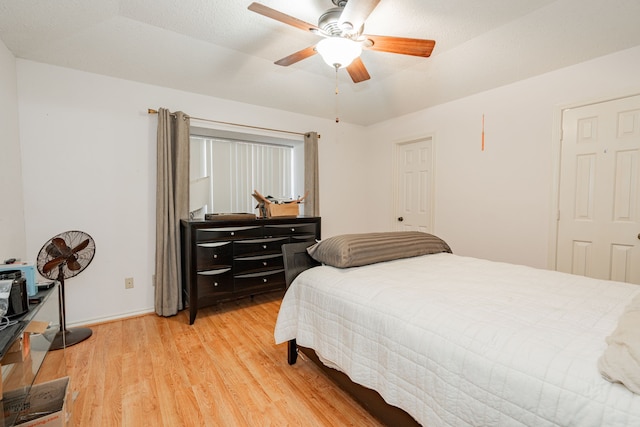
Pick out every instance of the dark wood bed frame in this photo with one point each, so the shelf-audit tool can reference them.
(296, 260)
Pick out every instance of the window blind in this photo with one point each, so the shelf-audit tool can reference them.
(224, 173)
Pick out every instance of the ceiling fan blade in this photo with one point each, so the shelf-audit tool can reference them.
(297, 56)
(355, 13)
(402, 45)
(358, 71)
(282, 17)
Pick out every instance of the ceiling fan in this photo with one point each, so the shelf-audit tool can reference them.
(342, 30)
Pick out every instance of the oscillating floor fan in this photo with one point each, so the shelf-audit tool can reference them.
(62, 257)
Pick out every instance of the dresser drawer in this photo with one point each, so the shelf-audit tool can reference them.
(253, 264)
(270, 279)
(214, 282)
(291, 229)
(271, 245)
(227, 233)
(211, 254)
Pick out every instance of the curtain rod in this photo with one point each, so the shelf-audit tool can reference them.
(152, 111)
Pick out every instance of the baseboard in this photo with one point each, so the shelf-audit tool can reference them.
(107, 319)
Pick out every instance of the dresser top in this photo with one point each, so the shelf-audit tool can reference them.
(256, 221)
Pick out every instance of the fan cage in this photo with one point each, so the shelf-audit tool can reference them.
(72, 239)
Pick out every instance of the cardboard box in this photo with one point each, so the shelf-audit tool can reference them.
(270, 209)
(283, 209)
(18, 351)
(37, 327)
(45, 406)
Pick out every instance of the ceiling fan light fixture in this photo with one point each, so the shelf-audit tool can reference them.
(338, 52)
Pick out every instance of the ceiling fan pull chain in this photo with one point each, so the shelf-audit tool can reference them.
(337, 92)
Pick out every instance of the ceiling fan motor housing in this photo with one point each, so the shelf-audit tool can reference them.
(328, 21)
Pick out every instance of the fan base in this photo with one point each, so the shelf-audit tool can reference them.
(71, 337)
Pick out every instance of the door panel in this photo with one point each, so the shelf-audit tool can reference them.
(585, 177)
(599, 202)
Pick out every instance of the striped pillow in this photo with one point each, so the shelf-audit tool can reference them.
(353, 250)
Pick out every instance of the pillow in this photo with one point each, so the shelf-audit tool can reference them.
(620, 362)
(353, 250)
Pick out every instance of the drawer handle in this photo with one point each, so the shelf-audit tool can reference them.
(264, 246)
(215, 284)
(264, 280)
(293, 229)
(215, 256)
(233, 233)
(264, 263)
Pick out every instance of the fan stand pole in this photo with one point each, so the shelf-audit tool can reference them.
(67, 337)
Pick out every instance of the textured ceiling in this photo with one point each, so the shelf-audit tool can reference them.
(219, 48)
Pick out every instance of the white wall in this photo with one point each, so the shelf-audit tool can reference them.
(497, 203)
(89, 153)
(12, 232)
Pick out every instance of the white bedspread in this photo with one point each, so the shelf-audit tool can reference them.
(460, 341)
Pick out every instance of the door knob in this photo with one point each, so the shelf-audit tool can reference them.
(402, 219)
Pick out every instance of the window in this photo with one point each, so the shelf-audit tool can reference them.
(226, 167)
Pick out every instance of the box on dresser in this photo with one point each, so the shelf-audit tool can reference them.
(228, 259)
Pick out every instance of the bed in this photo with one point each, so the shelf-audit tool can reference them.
(446, 340)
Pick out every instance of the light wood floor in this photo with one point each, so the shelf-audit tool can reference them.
(224, 370)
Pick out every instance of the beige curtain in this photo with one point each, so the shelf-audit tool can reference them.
(311, 182)
(172, 204)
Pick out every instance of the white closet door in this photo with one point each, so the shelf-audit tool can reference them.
(599, 198)
(414, 210)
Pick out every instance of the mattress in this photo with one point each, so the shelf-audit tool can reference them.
(459, 341)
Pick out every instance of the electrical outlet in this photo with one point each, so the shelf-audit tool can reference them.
(128, 283)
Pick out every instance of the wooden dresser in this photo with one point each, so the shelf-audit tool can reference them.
(225, 260)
